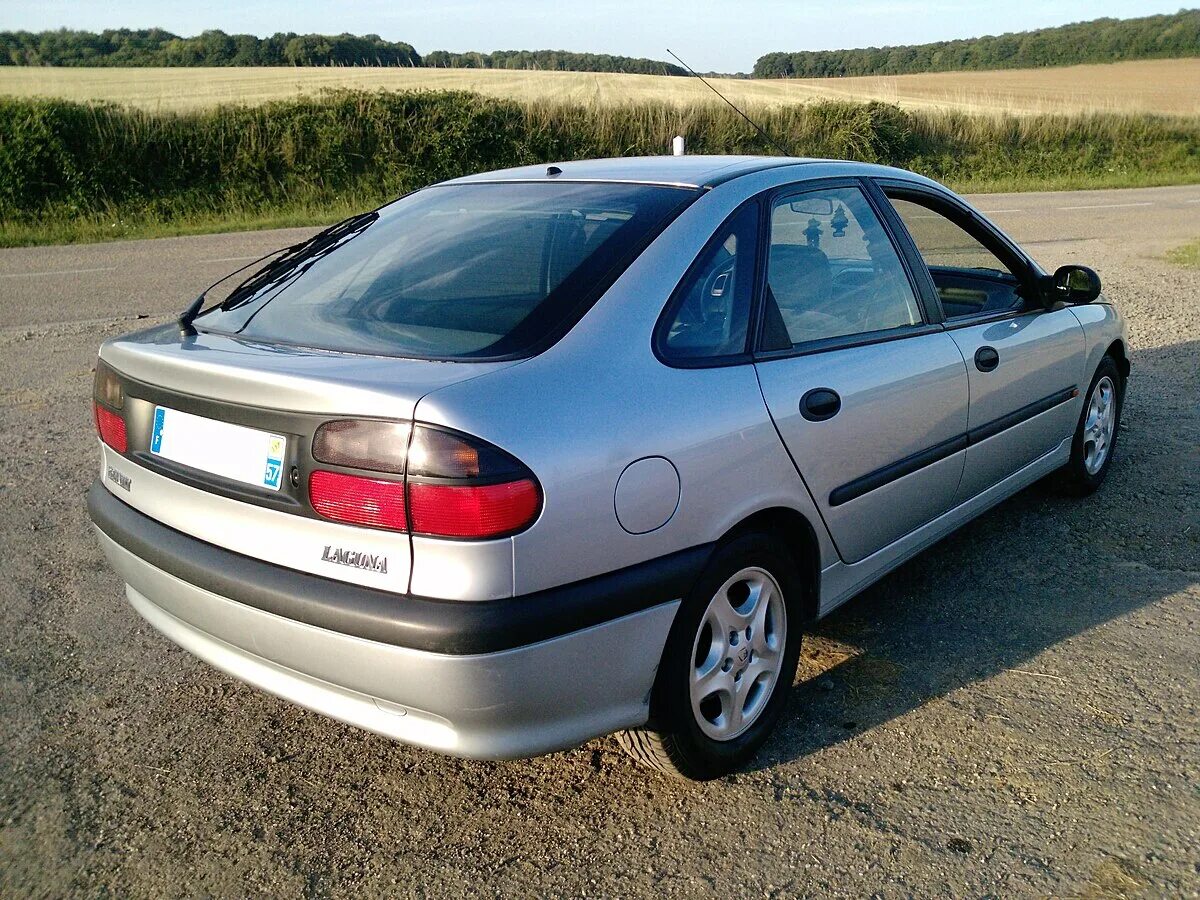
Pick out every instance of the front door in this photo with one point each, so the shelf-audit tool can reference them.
(1023, 360)
(870, 399)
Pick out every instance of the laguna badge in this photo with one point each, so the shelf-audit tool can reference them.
(355, 559)
(119, 478)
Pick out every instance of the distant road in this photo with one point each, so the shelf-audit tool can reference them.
(153, 278)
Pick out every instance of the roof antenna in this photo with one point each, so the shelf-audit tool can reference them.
(770, 140)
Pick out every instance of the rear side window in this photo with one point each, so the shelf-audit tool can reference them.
(475, 271)
(710, 313)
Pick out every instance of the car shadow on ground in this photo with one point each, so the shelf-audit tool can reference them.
(1036, 570)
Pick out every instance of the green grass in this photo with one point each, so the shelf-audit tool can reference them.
(78, 172)
(1186, 255)
(57, 229)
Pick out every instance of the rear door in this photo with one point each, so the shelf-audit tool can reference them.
(1023, 361)
(868, 394)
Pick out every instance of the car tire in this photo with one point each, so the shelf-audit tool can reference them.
(1095, 439)
(718, 696)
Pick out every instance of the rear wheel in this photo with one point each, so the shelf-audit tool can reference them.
(729, 662)
(1096, 434)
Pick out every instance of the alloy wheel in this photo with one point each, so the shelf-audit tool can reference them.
(1099, 425)
(738, 653)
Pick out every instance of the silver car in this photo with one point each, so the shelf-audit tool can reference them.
(537, 455)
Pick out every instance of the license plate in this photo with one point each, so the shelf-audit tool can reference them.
(231, 451)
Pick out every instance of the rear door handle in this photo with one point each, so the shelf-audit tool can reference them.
(986, 359)
(820, 404)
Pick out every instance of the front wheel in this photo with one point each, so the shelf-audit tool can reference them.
(1096, 434)
(728, 665)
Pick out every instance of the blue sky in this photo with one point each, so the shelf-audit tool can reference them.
(710, 35)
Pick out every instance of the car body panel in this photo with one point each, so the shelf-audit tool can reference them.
(684, 171)
(898, 398)
(1103, 325)
(1041, 354)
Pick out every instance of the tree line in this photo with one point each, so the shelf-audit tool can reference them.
(561, 60)
(1097, 41)
(156, 47)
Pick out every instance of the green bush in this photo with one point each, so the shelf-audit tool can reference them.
(64, 165)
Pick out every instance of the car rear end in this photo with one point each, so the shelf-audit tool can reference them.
(267, 495)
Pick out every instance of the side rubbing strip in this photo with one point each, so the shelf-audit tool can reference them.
(1016, 417)
(889, 473)
(852, 490)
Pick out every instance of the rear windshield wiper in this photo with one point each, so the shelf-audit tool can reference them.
(288, 258)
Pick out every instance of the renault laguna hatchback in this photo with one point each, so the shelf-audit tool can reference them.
(533, 456)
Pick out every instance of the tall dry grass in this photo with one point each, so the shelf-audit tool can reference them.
(1166, 86)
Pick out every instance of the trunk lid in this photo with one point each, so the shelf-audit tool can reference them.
(280, 377)
(239, 388)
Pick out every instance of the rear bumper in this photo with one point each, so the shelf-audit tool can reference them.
(511, 700)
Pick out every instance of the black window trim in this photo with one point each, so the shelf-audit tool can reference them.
(959, 213)
(846, 341)
(930, 316)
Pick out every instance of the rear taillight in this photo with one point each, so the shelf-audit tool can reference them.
(111, 428)
(473, 511)
(357, 500)
(455, 485)
(363, 444)
(108, 397)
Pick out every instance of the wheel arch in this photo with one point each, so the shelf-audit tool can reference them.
(798, 534)
(1118, 352)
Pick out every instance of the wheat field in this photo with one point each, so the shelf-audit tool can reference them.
(1149, 86)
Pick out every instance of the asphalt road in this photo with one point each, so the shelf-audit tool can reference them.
(1014, 712)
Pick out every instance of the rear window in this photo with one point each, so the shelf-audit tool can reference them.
(476, 271)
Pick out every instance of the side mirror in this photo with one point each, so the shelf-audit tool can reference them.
(1074, 285)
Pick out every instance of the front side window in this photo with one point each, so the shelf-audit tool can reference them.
(832, 271)
(970, 279)
(470, 271)
(711, 310)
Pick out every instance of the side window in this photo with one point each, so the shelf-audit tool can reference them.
(832, 271)
(970, 278)
(710, 312)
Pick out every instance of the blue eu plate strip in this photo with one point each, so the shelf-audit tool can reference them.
(160, 415)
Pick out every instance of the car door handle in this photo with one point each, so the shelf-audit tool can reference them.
(986, 359)
(820, 404)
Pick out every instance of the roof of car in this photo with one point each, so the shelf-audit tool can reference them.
(685, 171)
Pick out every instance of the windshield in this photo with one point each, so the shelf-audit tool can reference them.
(473, 271)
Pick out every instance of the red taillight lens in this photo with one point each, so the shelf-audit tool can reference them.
(111, 427)
(358, 500)
(473, 511)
